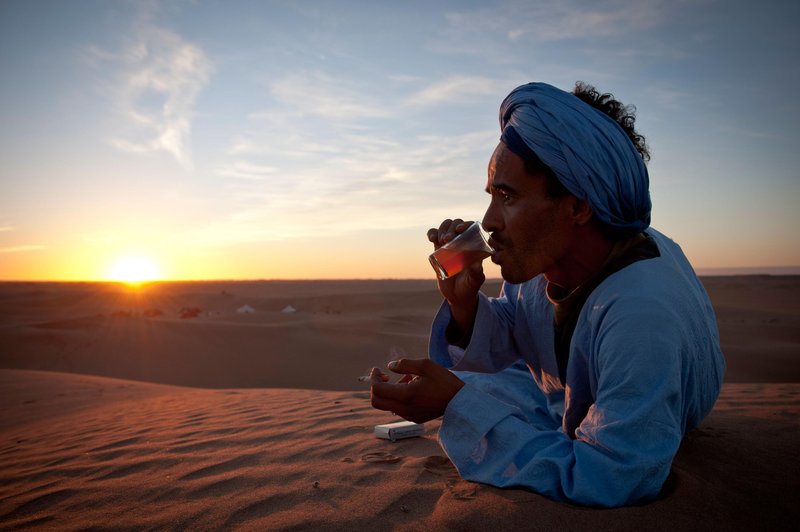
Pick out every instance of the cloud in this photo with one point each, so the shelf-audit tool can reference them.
(404, 78)
(156, 85)
(322, 95)
(541, 34)
(456, 89)
(4, 228)
(362, 181)
(669, 96)
(328, 156)
(246, 170)
(22, 249)
(558, 20)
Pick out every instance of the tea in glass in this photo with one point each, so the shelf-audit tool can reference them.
(466, 249)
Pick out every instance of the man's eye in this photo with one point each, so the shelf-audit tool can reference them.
(503, 194)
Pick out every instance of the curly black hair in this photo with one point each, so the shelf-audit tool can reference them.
(624, 115)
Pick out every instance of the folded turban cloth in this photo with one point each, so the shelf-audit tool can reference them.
(587, 150)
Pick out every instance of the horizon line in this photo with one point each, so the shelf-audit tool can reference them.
(747, 271)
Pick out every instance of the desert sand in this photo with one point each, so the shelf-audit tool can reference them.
(117, 413)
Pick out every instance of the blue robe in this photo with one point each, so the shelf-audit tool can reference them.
(644, 367)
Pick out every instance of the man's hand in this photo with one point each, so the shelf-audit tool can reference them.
(422, 394)
(460, 291)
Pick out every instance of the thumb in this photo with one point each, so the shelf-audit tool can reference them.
(476, 275)
(416, 366)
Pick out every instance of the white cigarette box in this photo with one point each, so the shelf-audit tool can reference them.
(399, 430)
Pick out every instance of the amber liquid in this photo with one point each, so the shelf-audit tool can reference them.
(448, 262)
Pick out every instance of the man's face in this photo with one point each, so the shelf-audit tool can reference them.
(530, 230)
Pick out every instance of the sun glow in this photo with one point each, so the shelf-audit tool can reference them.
(133, 270)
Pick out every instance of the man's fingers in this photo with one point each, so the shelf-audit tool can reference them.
(389, 405)
(444, 227)
(423, 398)
(418, 366)
(447, 231)
(406, 378)
(376, 375)
(433, 235)
(476, 275)
(451, 231)
(399, 392)
(461, 226)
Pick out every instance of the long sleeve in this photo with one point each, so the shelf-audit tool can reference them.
(623, 447)
(492, 346)
(492, 442)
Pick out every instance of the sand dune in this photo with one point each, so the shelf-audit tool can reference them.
(88, 451)
(340, 329)
(759, 322)
(258, 421)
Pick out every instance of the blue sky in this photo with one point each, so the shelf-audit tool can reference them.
(321, 139)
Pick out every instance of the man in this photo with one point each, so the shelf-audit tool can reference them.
(580, 380)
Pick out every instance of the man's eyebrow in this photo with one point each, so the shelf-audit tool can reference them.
(500, 188)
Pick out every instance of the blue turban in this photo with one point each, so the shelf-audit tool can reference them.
(587, 150)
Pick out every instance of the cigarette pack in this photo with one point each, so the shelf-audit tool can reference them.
(399, 430)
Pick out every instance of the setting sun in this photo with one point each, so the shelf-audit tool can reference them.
(133, 270)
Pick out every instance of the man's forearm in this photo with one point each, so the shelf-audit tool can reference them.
(459, 330)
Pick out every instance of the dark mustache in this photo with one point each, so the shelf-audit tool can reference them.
(498, 241)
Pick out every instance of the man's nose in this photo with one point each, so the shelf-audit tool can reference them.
(492, 221)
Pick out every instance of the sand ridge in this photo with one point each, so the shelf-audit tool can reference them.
(172, 457)
(114, 417)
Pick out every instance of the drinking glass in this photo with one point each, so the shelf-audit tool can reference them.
(466, 249)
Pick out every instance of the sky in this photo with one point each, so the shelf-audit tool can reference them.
(321, 139)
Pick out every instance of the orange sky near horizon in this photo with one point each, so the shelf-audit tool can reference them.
(343, 258)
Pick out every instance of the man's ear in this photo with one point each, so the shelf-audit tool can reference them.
(581, 211)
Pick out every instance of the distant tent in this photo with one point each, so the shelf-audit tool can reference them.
(189, 312)
(246, 309)
(288, 309)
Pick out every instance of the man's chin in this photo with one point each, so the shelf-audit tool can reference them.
(513, 275)
(510, 275)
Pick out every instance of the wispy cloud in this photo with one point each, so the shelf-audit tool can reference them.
(158, 78)
(456, 89)
(320, 94)
(4, 228)
(669, 97)
(557, 20)
(746, 132)
(246, 170)
(363, 181)
(22, 249)
(520, 32)
(329, 157)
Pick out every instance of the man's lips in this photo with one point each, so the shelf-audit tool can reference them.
(498, 250)
(497, 246)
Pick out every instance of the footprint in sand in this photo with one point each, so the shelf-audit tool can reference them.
(441, 466)
(381, 457)
(462, 490)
